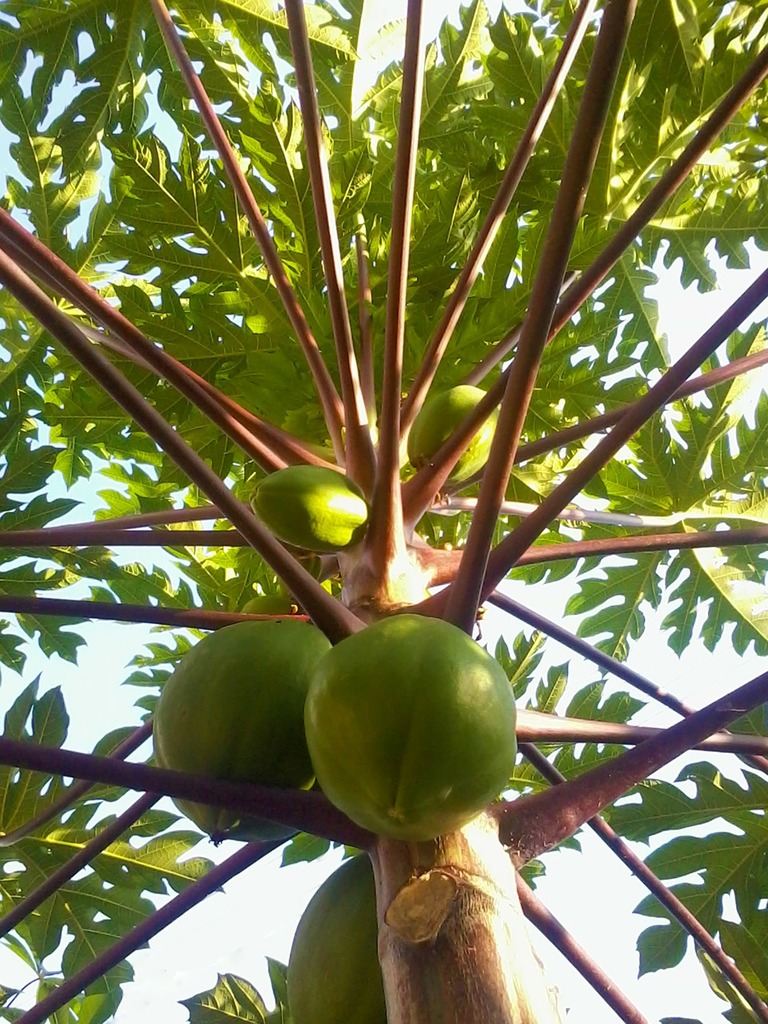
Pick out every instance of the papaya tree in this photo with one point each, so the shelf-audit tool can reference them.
(365, 350)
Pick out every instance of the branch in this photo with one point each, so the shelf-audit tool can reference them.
(420, 490)
(191, 618)
(56, 537)
(120, 524)
(76, 790)
(330, 615)
(441, 564)
(76, 536)
(534, 824)
(576, 955)
(465, 592)
(503, 347)
(307, 811)
(665, 187)
(185, 514)
(597, 424)
(665, 896)
(586, 650)
(612, 665)
(326, 390)
(495, 215)
(385, 537)
(81, 859)
(359, 447)
(149, 927)
(643, 542)
(446, 503)
(364, 303)
(287, 448)
(541, 727)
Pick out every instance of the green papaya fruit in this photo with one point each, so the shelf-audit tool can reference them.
(411, 727)
(311, 507)
(234, 709)
(334, 975)
(437, 420)
(269, 604)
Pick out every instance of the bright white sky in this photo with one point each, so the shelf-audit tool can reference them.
(593, 895)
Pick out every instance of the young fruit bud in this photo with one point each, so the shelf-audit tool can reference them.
(438, 419)
(269, 604)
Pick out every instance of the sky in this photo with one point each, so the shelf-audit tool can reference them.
(593, 895)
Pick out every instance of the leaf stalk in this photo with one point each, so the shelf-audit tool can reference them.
(359, 447)
(326, 390)
(465, 592)
(663, 894)
(490, 228)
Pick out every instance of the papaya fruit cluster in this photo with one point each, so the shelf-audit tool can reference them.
(411, 727)
(312, 508)
(408, 725)
(234, 710)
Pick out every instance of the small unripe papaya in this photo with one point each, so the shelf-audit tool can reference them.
(269, 604)
(334, 975)
(437, 420)
(411, 727)
(312, 507)
(234, 709)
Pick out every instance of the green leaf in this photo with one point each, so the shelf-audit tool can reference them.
(661, 947)
(304, 847)
(231, 999)
(740, 1012)
(747, 950)
(723, 862)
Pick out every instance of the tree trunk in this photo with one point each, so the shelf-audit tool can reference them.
(453, 942)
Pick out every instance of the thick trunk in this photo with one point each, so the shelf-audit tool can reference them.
(453, 942)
